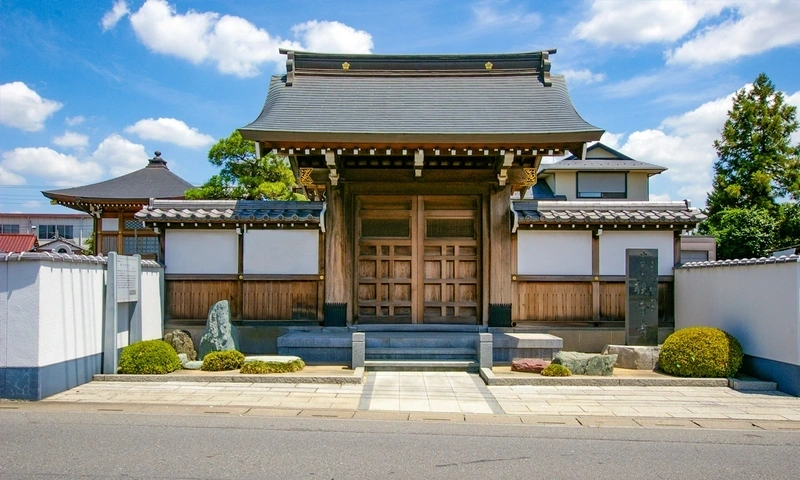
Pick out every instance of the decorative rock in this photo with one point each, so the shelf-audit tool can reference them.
(181, 341)
(586, 363)
(532, 365)
(183, 358)
(220, 334)
(634, 357)
(195, 365)
(271, 358)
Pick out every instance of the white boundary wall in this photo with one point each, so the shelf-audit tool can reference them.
(545, 252)
(613, 244)
(51, 312)
(287, 252)
(757, 301)
(201, 252)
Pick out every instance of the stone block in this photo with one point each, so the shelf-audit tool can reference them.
(586, 363)
(220, 334)
(531, 365)
(512, 346)
(485, 350)
(634, 357)
(359, 350)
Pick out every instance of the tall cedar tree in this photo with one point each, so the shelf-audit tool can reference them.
(243, 176)
(756, 162)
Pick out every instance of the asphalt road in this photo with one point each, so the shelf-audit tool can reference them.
(49, 445)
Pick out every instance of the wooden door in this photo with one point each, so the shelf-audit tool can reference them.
(418, 259)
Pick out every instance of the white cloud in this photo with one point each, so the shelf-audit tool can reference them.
(170, 130)
(612, 139)
(8, 178)
(640, 22)
(758, 27)
(332, 37)
(584, 76)
(660, 197)
(119, 155)
(235, 45)
(496, 13)
(62, 170)
(23, 108)
(72, 140)
(632, 86)
(76, 120)
(110, 19)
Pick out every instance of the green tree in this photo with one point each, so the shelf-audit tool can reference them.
(756, 162)
(788, 225)
(744, 232)
(243, 176)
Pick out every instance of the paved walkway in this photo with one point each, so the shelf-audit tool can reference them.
(455, 396)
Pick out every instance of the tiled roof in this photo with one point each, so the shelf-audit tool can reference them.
(419, 101)
(638, 213)
(743, 262)
(17, 242)
(66, 258)
(601, 165)
(219, 211)
(153, 181)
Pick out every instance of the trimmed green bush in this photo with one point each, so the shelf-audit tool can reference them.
(701, 352)
(556, 370)
(260, 366)
(149, 357)
(224, 360)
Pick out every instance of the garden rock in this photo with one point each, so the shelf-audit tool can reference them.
(586, 363)
(634, 357)
(181, 341)
(532, 365)
(220, 334)
(195, 365)
(184, 359)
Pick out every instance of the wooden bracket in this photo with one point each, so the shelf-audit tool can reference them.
(508, 161)
(419, 162)
(330, 161)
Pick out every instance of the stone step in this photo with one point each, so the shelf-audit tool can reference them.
(419, 340)
(744, 383)
(421, 365)
(421, 354)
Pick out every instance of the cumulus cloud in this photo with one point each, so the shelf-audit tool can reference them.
(72, 140)
(652, 21)
(119, 155)
(583, 76)
(76, 120)
(332, 37)
(23, 108)
(8, 178)
(757, 27)
(58, 168)
(170, 130)
(235, 45)
(110, 19)
(494, 13)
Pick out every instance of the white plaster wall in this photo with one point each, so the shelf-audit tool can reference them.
(565, 185)
(544, 252)
(20, 325)
(109, 224)
(201, 252)
(281, 252)
(3, 312)
(152, 304)
(638, 187)
(614, 242)
(758, 304)
(70, 311)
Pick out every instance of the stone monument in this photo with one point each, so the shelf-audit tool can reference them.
(641, 286)
(220, 334)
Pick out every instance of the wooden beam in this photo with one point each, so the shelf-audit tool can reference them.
(595, 275)
(500, 246)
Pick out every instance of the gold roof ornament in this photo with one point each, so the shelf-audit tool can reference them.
(305, 177)
(488, 65)
(530, 177)
(345, 66)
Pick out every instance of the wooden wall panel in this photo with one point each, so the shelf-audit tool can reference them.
(612, 301)
(553, 301)
(280, 300)
(191, 299)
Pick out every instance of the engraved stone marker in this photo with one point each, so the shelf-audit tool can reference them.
(641, 286)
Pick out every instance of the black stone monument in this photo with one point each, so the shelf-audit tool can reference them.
(641, 286)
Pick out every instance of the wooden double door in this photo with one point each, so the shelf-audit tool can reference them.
(418, 259)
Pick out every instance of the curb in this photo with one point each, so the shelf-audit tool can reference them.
(356, 378)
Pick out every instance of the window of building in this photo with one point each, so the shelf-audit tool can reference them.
(141, 245)
(50, 231)
(9, 228)
(602, 185)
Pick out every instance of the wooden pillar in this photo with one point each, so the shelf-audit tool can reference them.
(500, 246)
(239, 300)
(596, 275)
(336, 277)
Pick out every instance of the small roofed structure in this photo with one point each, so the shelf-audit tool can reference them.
(18, 242)
(114, 202)
(62, 245)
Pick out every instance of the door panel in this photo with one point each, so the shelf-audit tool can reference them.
(418, 259)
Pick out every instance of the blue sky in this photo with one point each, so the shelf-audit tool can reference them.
(90, 89)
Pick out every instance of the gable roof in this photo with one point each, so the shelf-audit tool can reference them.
(414, 99)
(600, 157)
(153, 181)
(17, 242)
(675, 214)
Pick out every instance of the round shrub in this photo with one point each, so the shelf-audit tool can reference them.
(701, 352)
(556, 370)
(149, 357)
(262, 367)
(224, 360)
